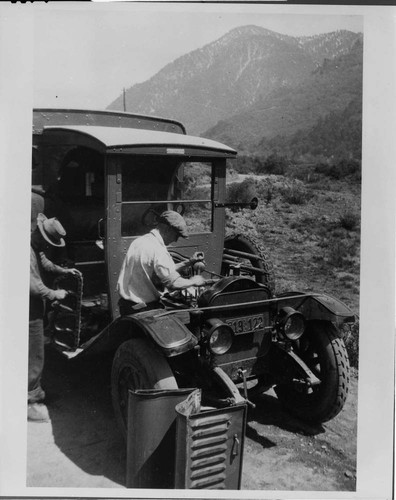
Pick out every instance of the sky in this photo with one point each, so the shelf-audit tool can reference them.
(83, 58)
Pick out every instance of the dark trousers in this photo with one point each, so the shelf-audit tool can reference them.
(36, 360)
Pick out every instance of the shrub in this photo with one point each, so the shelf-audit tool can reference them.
(232, 174)
(247, 164)
(352, 345)
(349, 220)
(345, 278)
(241, 192)
(337, 254)
(273, 164)
(196, 174)
(305, 173)
(313, 178)
(199, 192)
(343, 169)
(320, 182)
(324, 169)
(268, 195)
(341, 253)
(351, 168)
(296, 195)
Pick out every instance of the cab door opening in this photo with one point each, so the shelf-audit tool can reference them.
(75, 194)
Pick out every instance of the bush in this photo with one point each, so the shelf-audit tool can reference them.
(249, 164)
(296, 195)
(232, 174)
(241, 192)
(324, 169)
(349, 220)
(351, 168)
(341, 253)
(274, 164)
(352, 345)
(304, 173)
(341, 170)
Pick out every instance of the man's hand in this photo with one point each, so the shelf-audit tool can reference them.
(197, 280)
(73, 271)
(197, 257)
(60, 294)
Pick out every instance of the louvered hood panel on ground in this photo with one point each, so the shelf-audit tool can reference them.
(209, 447)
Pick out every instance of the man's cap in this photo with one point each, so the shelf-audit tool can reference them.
(51, 230)
(176, 221)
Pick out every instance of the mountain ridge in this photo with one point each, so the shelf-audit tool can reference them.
(330, 88)
(236, 75)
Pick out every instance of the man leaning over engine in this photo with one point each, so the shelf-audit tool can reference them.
(148, 269)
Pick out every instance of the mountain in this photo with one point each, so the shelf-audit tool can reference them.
(235, 73)
(323, 97)
(328, 45)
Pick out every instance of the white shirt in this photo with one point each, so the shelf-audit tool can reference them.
(147, 269)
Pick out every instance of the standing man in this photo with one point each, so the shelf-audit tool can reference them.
(48, 232)
(148, 268)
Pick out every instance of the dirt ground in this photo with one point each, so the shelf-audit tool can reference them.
(81, 446)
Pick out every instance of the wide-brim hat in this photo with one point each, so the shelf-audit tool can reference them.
(51, 230)
(176, 221)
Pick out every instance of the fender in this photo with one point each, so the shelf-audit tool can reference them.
(318, 307)
(168, 333)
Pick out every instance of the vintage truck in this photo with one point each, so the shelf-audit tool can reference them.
(106, 176)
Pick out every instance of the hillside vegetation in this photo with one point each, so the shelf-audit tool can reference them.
(308, 222)
(337, 135)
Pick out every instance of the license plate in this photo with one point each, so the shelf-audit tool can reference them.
(246, 324)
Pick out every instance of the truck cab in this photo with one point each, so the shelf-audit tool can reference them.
(107, 184)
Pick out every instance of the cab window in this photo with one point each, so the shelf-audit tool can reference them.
(151, 185)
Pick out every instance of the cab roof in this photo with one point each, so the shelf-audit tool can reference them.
(115, 140)
(44, 117)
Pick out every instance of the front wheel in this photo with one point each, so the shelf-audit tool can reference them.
(137, 365)
(326, 355)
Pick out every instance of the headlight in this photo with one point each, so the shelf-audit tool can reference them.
(219, 336)
(290, 323)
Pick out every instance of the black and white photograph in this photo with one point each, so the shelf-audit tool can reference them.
(197, 250)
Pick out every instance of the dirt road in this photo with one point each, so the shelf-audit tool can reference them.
(82, 447)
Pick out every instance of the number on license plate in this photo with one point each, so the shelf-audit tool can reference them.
(247, 324)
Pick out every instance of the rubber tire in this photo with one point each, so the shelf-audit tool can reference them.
(327, 400)
(146, 369)
(243, 243)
